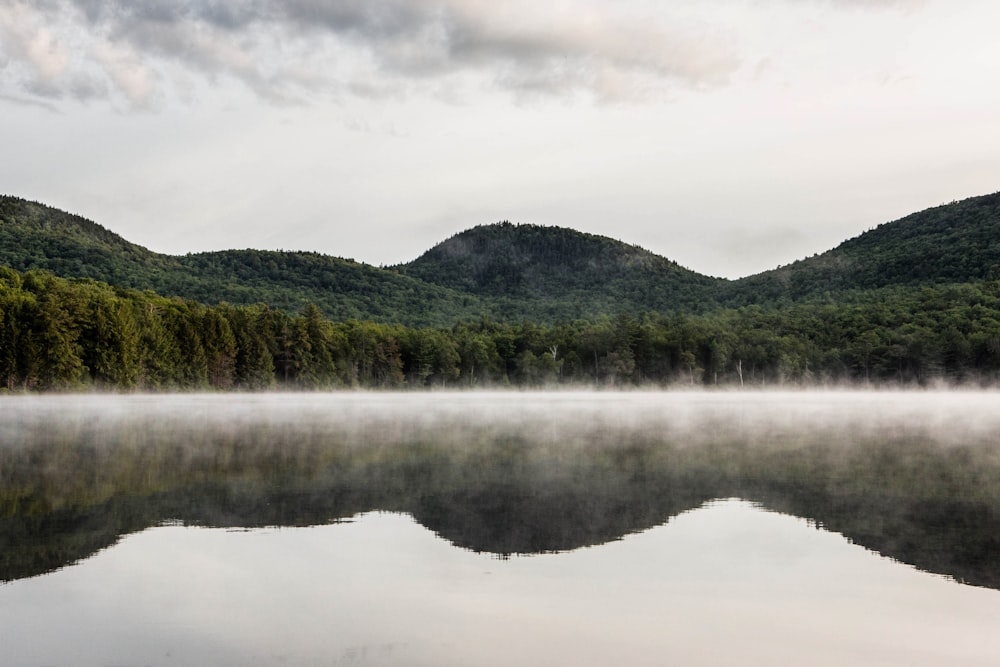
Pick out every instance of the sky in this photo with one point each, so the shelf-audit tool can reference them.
(731, 136)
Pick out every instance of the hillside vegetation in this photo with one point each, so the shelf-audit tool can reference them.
(953, 243)
(497, 305)
(552, 273)
(510, 272)
(57, 333)
(33, 236)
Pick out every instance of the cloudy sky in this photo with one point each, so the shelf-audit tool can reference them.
(729, 135)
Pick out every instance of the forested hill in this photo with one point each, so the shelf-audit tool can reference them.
(35, 236)
(953, 243)
(510, 272)
(914, 301)
(504, 271)
(570, 271)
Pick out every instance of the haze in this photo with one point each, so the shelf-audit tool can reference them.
(551, 419)
(729, 136)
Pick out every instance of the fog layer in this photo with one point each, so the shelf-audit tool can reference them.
(910, 475)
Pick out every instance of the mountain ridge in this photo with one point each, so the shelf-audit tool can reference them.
(502, 305)
(36, 236)
(539, 262)
(508, 271)
(951, 243)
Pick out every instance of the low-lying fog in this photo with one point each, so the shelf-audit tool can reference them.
(400, 514)
(551, 418)
(912, 475)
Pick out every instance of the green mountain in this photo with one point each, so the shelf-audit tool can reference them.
(552, 273)
(910, 302)
(34, 236)
(954, 243)
(510, 272)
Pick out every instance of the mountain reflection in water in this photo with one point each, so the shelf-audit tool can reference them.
(912, 476)
(724, 584)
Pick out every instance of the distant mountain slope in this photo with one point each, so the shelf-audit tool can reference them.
(343, 289)
(560, 272)
(510, 272)
(953, 243)
(35, 236)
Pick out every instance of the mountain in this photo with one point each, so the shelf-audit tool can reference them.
(35, 236)
(909, 302)
(343, 289)
(510, 272)
(953, 243)
(559, 273)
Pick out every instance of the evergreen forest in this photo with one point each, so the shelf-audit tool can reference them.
(912, 302)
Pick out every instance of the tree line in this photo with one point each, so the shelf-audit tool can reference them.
(73, 334)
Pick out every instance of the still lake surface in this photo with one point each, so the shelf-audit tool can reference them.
(642, 528)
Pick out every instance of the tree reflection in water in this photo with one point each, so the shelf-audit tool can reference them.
(910, 476)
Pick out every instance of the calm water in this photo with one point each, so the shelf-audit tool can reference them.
(497, 529)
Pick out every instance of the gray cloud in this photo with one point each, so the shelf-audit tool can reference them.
(29, 102)
(295, 49)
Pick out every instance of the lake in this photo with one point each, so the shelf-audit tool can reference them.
(590, 528)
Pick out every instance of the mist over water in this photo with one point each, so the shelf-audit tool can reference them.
(551, 418)
(711, 496)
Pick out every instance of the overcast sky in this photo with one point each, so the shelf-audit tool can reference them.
(729, 135)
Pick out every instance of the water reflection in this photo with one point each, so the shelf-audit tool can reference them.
(911, 476)
(726, 583)
(347, 510)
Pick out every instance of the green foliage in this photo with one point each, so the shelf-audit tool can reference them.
(553, 274)
(954, 243)
(511, 272)
(914, 301)
(62, 334)
(34, 236)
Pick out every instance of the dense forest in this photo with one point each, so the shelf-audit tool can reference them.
(915, 301)
(953, 243)
(34, 236)
(58, 333)
(510, 272)
(551, 274)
